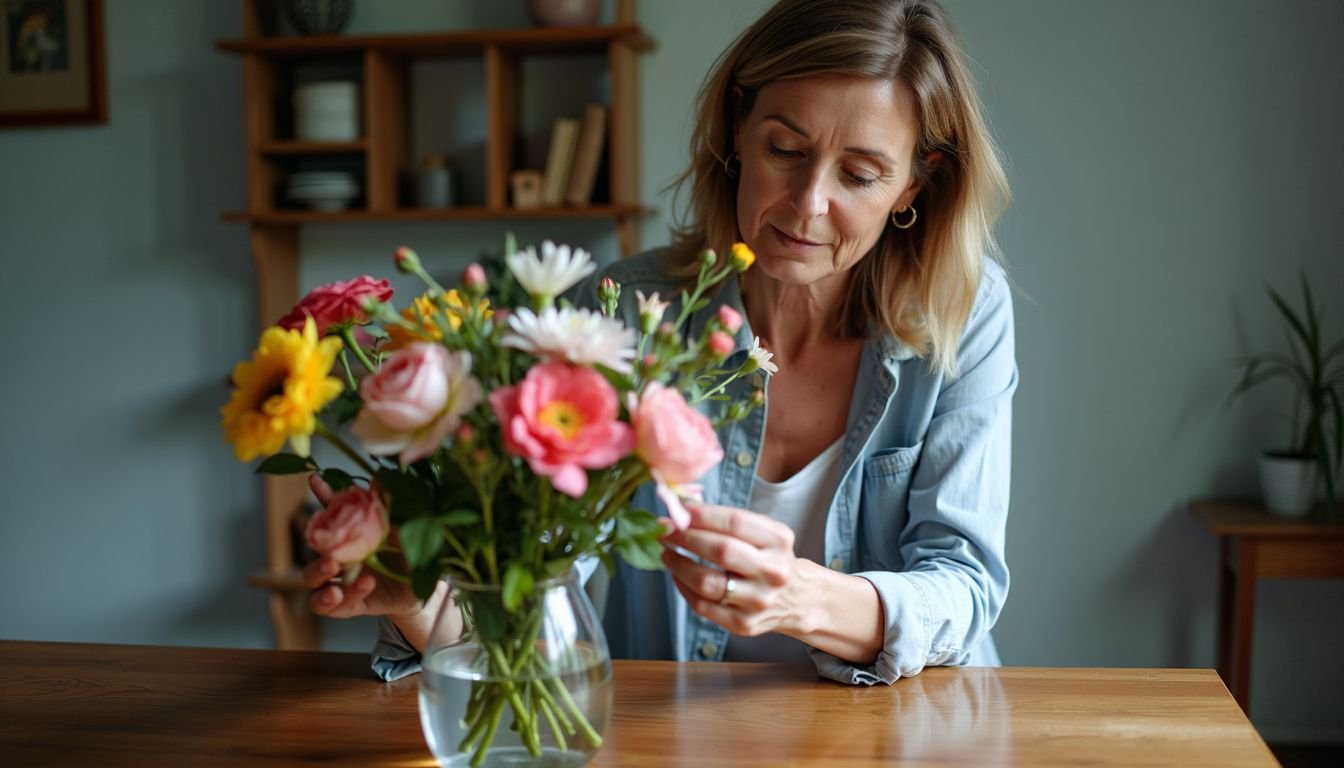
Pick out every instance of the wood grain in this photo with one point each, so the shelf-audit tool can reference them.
(108, 705)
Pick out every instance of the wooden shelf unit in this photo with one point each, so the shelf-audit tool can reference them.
(381, 155)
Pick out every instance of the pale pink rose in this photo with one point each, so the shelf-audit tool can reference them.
(721, 344)
(729, 318)
(350, 528)
(337, 304)
(677, 443)
(562, 419)
(415, 400)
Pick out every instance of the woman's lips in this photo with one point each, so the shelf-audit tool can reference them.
(789, 241)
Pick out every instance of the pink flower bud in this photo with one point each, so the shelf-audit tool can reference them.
(465, 434)
(406, 259)
(474, 276)
(730, 318)
(721, 344)
(650, 361)
(480, 456)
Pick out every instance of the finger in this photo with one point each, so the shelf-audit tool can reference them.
(353, 601)
(707, 583)
(742, 524)
(320, 571)
(728, 553)
(320, 489)
(325, 600)
(723, 615)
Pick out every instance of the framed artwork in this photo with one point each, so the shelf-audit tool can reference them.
(52, 68)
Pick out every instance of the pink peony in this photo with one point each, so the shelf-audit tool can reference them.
(350, 528)
(562, 419)
(415, 400)
(337, 304)
(678, 444)
(729, 318)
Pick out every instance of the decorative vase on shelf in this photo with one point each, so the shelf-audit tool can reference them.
(564, 13)
(319, 17)
(527, 686)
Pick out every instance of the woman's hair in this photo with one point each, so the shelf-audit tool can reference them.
(919, 283)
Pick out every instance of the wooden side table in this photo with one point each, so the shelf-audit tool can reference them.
(1257, 545)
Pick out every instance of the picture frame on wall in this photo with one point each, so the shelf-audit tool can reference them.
(52, 63)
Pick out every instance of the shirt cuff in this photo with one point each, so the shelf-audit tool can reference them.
(393, 656)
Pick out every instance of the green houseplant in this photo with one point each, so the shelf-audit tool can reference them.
(1316, 375)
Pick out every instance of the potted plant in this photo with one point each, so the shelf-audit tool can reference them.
(1316, 374)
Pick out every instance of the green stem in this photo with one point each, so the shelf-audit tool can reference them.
(349, 374)
(710, 393)
(546, 704)
(373, 562)
(348, 336)
(344, 448)
(584, 725)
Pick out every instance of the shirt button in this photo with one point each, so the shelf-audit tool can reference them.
(744, 458)
(837, 564)
(707, 650)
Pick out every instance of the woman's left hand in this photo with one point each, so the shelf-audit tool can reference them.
(757, 584)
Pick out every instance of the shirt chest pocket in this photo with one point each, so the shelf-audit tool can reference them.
(883, 510)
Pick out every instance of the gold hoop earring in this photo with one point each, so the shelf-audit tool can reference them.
(913, 215)
(732, 165)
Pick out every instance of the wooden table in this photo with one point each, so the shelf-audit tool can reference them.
(1257, 545)
(108, 705)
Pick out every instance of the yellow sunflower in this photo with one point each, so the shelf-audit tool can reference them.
(423, 315)
(277, 394)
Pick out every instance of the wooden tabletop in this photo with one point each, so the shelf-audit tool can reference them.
(1248, 518)
(110, 705)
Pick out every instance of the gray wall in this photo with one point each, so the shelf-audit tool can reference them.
(1166, 159)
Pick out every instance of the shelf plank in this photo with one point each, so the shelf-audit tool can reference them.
(290, 580)
(455, 43)
(464, 213)
(295, 147)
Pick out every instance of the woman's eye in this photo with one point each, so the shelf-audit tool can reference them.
(859, 181)
(786, 154)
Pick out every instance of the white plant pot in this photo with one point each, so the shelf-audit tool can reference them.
(1289, 484)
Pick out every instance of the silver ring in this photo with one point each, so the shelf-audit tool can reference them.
(728, 588)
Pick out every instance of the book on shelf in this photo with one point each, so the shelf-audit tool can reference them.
(587, 156)
(559, 160)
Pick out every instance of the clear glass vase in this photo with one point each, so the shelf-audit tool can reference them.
(528, 686)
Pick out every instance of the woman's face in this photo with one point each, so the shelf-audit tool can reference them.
(824, 163)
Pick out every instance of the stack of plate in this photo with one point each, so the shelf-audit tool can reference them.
(323, 190)
(327, 111)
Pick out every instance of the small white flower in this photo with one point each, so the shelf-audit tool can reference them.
(577, 335)
(558, 269)
(759, 357)
(651, 310)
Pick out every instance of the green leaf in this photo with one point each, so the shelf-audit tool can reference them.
(345, 406)
(338, 479)
(421, 540)
(424, 582)
(411, 496)
(637, 542)
(460, 517)
(1292, 319)
(518, 584)
(285, 464)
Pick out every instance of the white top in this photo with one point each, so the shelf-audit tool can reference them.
(800, 502)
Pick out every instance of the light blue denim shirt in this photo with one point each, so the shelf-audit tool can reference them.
(919, 512)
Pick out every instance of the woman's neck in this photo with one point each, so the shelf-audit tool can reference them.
(791, 319)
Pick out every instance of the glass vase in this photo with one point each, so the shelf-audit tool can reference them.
(527, 686)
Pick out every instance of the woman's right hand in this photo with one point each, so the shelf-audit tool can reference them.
(370, 594)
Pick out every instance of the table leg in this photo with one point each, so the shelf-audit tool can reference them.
(1243, 622)
(1226, 580)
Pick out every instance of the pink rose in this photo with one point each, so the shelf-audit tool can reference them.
(350, 528)
(562, 419)
(729, 318)
(677, 443)
(415, 400)
(337, 304)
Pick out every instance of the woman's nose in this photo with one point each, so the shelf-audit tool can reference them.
(810, 194)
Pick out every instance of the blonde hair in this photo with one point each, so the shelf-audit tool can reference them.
(918, 284)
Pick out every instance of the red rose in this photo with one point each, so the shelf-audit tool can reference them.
(337, 304)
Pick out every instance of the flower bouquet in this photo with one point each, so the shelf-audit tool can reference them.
(497, 443)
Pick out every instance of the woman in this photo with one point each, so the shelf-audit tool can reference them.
(859, 518)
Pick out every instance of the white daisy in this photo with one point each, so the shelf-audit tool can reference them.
(558, 269)
(577, 335)
(759, 357)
